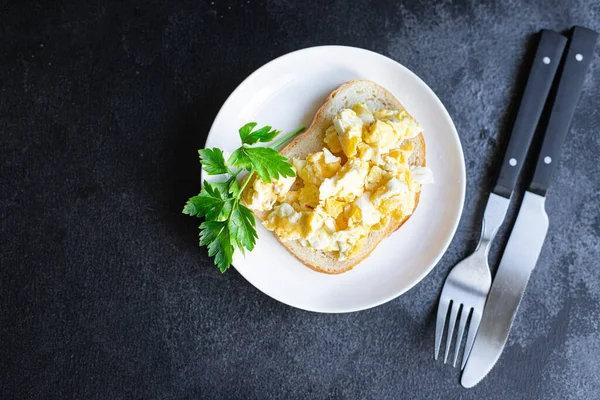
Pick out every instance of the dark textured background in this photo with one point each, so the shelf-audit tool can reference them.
(104, 292)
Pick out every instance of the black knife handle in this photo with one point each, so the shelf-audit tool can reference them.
(570, 83)
(546, 61)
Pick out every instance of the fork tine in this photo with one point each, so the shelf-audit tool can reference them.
(464, 314)
(473, 326)
(442, 314)
(452, 322)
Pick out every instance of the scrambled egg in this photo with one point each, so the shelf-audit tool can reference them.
(264, 195)
(317, 167)
(347, 184)
(357, 182)
(332, 140)
(349, 128)
(286, 222)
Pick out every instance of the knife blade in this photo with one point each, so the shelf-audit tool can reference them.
(529, 232)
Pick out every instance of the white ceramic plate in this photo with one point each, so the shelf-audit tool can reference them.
(285, 94)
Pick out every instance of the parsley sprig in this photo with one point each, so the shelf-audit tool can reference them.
(228, 225)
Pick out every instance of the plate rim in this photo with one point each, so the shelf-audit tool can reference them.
(463, 176)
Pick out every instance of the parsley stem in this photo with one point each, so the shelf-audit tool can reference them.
(247, 180)
(237, 199)
(286, 138)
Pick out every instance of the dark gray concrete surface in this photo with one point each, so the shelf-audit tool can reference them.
(104, 292)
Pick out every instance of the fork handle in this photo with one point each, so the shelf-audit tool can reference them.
(546, 61)
(494, 214)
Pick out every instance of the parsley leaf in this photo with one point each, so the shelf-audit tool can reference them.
(198, 206)
(264, 134)
(239, 159)
(234, 188)
(216, 235)
(213, 161)
(245, 130)
(268, 163)
(222, 188)
(243, 227)
(210, 203)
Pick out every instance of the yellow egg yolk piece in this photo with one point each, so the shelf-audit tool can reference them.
(332, 140)
(349, 129)
(317, 167)
(380, 134)
(286, 222)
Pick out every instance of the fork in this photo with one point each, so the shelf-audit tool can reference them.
(467, 286)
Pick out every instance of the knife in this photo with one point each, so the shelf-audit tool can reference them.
(528, 234)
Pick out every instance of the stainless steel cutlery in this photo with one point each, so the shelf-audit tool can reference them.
(467, 286)
(468, 295)
(528, 234)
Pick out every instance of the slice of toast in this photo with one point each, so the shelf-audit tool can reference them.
(349, 94)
